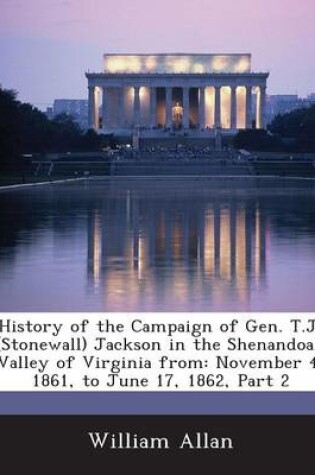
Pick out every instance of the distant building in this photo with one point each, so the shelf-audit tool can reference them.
(76, 108)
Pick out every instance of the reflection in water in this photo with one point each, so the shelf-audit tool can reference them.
(160, 253)
(97, 249)
(172, 244)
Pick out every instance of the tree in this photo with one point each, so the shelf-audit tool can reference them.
(26, 130)
(66, 133)
(9, 125)
(293, 131)
(36, 131)
(255, 139)
(298, 124)
(23, 129)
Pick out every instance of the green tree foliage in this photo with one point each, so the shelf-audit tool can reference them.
(299, 125)
(66, 133)
(294, 131)
(35, 130)
(253, 139)
(9, 125)
(26, 130)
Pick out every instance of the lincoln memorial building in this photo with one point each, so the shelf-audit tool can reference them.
(193, 93)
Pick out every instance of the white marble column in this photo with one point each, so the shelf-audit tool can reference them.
(92, 123)
(217, 106)
(121, 107)
(233, 108)
(263, 107)
(186, 107)
(202, 107)
(168, 107)
(153, 107)
(136, 106)
(248, 107)
(104, 108)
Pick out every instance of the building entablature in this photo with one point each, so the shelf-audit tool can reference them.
(177, 80)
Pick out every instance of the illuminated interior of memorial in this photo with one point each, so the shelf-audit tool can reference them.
(145, 92)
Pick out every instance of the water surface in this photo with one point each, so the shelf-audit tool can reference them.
(159, 244)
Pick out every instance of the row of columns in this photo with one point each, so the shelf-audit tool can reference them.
(260, 119)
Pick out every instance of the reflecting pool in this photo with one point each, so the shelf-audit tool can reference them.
(199, 244)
